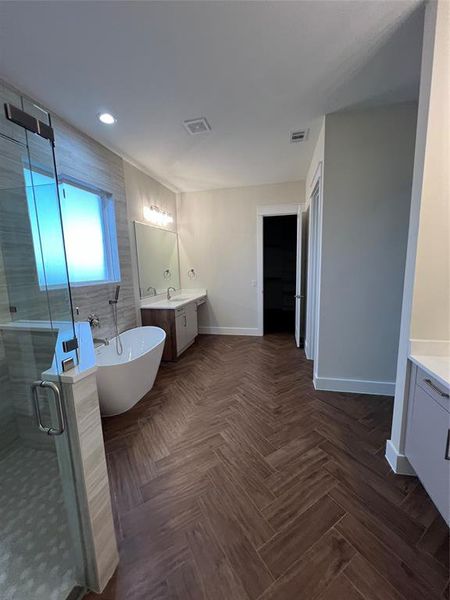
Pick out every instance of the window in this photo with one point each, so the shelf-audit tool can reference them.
(89, 232)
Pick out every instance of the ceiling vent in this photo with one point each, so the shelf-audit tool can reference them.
(299, 136)
(195, 126)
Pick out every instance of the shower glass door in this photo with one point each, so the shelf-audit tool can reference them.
(41, 545)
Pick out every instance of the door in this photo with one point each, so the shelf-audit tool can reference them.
(186, 326)
(41, 545)
(192, 323)
(298, 281)
(313, 268)
(181, 329)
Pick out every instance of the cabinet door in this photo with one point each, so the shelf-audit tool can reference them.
(181, 330)
(427, 448)
(192, 325)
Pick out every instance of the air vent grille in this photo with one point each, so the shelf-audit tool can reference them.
(299, 136)
(196, 126)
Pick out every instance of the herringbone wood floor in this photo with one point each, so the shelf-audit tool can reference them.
(235, 480)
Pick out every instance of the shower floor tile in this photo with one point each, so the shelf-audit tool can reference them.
(35, 542)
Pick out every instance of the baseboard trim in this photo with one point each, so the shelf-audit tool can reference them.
(357, 386)
(398, 462)
(229, 331)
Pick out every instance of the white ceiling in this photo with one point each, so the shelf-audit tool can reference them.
(255, 70)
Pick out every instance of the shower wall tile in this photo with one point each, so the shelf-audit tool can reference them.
(7, 128)
(83, 159)
(91, 475)
(86, 161)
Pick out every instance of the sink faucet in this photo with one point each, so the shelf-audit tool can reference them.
(168, 292)
(152, 290)
(103, 341)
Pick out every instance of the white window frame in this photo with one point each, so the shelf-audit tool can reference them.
(109, 230)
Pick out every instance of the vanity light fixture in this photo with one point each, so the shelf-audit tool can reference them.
(106, 118)
(157, 216)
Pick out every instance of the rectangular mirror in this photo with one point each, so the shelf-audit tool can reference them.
(157, 253)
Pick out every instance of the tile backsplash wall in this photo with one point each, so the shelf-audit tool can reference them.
(83, 159)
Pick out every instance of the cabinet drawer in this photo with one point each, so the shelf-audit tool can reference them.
(434, 388)
(427, 449)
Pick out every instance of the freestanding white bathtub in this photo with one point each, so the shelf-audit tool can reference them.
(122, 380)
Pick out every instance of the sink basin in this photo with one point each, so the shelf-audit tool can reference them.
(179, 298)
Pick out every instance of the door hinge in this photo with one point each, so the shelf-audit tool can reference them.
(28, 122)
(69, 345)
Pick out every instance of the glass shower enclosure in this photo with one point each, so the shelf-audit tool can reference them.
(41, 542)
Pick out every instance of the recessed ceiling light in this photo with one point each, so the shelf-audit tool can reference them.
(107, 118)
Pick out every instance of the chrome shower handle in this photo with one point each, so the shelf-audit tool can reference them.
(37, 410)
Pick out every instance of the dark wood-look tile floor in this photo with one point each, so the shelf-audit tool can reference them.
(235, 480)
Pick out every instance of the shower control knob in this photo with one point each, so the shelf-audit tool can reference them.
(94, 320)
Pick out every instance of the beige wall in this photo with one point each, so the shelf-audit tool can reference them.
(427, 278)
(431, 301)
(217, 232)
(141, 191)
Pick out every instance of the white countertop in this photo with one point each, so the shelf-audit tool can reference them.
(179, 298)
(436, 366)
(433, 357)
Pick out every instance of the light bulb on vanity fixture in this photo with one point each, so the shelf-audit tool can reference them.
(157, 216)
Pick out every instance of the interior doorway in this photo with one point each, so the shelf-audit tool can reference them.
(280, 267)
(280, 305)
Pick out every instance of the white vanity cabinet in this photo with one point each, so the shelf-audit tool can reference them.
(186, 326)
(428, 436)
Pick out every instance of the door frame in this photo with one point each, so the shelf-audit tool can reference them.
(270, 210)
(298, 280)
(314, 267)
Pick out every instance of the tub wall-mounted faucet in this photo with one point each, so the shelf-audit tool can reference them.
(94, 320)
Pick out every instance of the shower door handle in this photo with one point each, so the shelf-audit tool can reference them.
(35, 386)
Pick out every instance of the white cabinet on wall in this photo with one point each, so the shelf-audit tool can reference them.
(428, 436)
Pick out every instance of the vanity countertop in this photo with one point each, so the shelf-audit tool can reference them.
(433, 357)
(436, 366)
(179, 298)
